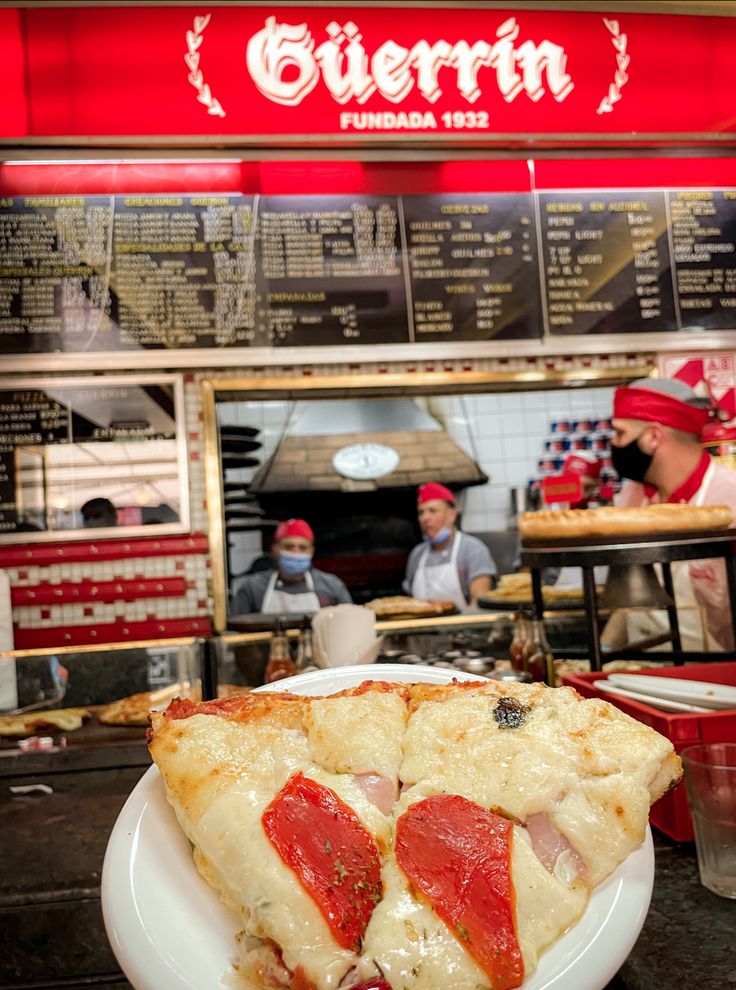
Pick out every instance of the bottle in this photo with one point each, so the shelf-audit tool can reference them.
(518, 645)
(279, 663)
(304, 653)
(539, 660)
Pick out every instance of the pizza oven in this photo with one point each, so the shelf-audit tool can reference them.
(352, 469)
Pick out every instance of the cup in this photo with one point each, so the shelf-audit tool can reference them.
(710, 780)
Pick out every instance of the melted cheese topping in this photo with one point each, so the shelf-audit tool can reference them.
(584, 763)
(359, 734)
(221, 774)
(417, 951)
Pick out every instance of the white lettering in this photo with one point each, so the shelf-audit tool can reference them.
(285, 66)
(504, 61)
(391, 65)
(275, 49)
(355, 81)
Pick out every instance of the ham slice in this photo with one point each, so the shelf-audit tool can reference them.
(379, 790)
(552, 849)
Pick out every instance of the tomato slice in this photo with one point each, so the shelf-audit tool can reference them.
(336, 860)
(378, 984)
(458, 855)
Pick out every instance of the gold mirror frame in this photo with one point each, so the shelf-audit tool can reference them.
(361, 386)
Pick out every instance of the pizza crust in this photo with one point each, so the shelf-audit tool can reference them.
(611, 520)
(135, 709)
(518, 588)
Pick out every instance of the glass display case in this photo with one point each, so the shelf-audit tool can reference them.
(60, 699)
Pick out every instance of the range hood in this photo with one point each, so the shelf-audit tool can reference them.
(423, 451)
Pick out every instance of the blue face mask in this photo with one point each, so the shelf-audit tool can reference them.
(294, 564)
(444, 534)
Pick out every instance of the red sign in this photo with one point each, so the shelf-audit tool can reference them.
(308, 74)
(13, 107)
(561, 488)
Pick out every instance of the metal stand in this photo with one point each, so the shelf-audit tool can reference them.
(698, 545)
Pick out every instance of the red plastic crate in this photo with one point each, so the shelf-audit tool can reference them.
(671, 813)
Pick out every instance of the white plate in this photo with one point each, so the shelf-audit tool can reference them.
(169, 931)
(663, 704)
(693, 692)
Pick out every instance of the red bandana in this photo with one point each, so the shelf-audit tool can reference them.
(294, 527)
(432, 491)
(656, 407)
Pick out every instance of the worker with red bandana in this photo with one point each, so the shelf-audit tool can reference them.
(658, 426)
(292, 585)
(448, 565)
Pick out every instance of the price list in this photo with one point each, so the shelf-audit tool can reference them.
(54, 266)
(606, 262)
(704, 244)
(183, 271)
(473, 267)
(329, 271)
(29, 418)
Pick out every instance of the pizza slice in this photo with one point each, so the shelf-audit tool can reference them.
(287, 802)
(517, 801)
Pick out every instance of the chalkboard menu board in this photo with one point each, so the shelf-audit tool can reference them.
(215, 271)
(472, 266)
(182, 272)
(704, 245)
(65, 444)
(54, 273)
(606, 262)
(329, 271)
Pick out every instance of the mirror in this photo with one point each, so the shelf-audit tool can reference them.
(92, 457)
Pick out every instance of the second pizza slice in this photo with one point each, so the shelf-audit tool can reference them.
(287, 802)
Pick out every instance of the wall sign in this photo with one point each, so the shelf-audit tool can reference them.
(311, 73)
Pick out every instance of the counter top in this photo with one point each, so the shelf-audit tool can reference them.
(688, 936)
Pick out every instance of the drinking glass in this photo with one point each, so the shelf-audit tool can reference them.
(710, 780)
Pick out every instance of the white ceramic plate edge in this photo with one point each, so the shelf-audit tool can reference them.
(168, 929)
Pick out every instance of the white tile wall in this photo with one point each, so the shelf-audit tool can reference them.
(508, 431)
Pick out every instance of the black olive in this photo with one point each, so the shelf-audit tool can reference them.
(510, 713)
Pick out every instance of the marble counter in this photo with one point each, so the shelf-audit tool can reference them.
(689, 934)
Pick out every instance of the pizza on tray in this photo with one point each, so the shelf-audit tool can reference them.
(52, 720)
(135, 709)
(610, 520)
(403, 606)
(393, 836)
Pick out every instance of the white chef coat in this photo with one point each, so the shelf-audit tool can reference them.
(701, 589)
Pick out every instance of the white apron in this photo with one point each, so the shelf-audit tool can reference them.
(694, 633)
(275, 601)
(440, 583)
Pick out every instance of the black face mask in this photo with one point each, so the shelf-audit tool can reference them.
(630, 461)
